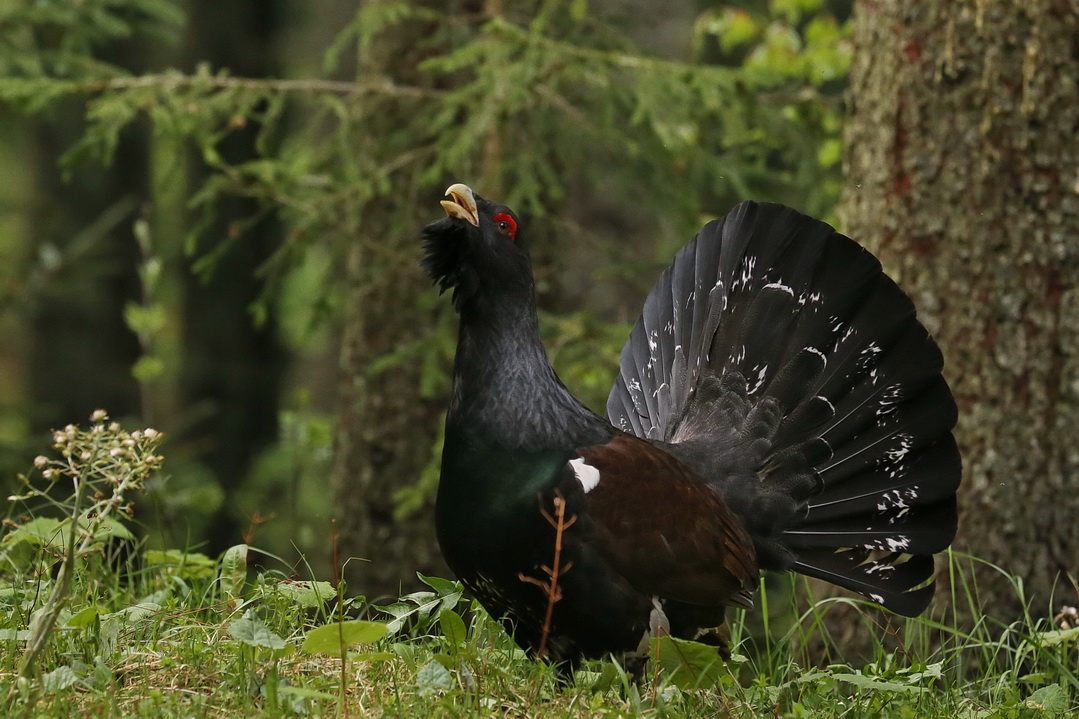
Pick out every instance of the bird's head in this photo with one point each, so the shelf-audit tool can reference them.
(476, 248)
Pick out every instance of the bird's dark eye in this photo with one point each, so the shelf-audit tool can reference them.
(506, 225)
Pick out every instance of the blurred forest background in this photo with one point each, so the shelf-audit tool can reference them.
(209, 220)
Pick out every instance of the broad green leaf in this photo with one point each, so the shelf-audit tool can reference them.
(453, 627)
(112, 528)
(186, 565)
(690, 665)
(433, 678)
(421, 605)
(609, 677)
(445, 587)
(233, 570)
(333, 639)
(1058, 636)
(86, 616)
(43, 531)
(20, 635)
(254, 633)
(306, 594)
(136, 613)
(59, 678)
(1051, 699)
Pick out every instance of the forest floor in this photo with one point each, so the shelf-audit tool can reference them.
(185, 635)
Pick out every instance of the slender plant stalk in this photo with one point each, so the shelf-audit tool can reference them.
(550, 586)
(343, 704)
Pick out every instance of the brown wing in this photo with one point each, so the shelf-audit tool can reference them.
(661, 526)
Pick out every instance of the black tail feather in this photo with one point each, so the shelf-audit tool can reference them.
(791, 372)
(887, 580)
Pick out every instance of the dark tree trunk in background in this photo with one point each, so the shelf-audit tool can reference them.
(82, 351)
(381, 420)
(232, 369)
(378, 420)
(963, 176)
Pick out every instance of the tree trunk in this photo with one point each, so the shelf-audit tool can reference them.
(381, 418)
(378, 420)
(233, 368)
(962, 157)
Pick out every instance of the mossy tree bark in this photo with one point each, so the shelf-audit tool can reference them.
(963, 176)
(381, 417)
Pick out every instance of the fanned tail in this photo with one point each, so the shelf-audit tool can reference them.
(777, 358)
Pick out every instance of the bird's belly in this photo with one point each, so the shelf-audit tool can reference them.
(508, 560)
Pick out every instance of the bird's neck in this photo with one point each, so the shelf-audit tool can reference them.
(505, 391)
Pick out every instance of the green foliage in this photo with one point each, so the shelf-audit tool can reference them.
(187, 566)
(181, 643)
(60, 39)
(544, 104)
(339, 637)
(418, 611)
(689, 665)
(254, 633)
(103, 466)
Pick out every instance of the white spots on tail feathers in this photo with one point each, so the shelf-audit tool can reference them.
(823, 357)
(841, 330)
(890, 397)
(898, 543)
(762, 374)
(749, 266)
(879, 568)
(653, 345)
(877, 598)
(898, 515)
(897, 499)
(896, 454)
(780, 286)
(868, 356)
(586, 474)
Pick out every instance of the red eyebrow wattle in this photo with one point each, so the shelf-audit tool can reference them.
(503, 217)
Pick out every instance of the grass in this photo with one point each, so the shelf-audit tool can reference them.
(185, 636)
(161, 634)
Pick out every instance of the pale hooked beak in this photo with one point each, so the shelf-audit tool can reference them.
(462, 205)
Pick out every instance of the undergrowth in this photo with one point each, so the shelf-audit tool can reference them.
(89, 623)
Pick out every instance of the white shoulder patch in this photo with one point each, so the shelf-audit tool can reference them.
(586, 474)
